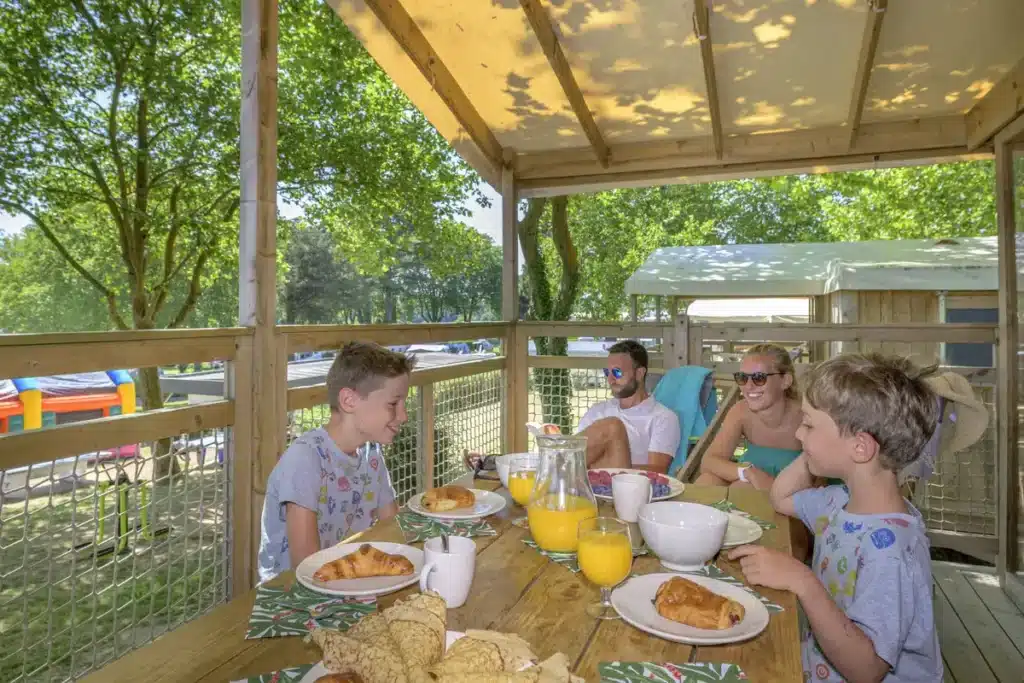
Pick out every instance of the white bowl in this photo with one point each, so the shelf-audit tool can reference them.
(504, 462)
(684, 536)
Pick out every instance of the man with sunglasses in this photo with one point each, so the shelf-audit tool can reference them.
(631, 429)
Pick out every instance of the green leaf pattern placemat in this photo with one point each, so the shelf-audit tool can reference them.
(568, 560)
(726, 506)
(644, 672)
(713, 572)
(416, 527)
(290, 675)
(294, 612)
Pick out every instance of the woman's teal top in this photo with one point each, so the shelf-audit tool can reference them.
(767, 459)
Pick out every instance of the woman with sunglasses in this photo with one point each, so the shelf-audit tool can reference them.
(766, 419)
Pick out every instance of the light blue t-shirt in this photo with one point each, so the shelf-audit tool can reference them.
(342, 489)
(878, 571)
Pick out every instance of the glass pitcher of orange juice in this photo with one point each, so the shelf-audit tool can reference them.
(561, 497)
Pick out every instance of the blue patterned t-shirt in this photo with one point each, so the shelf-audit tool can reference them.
(877, 569)
(342, 489)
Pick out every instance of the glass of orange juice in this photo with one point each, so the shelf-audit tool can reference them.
(522, 475)
(605, 556)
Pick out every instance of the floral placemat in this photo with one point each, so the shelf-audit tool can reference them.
(568, 560)
(726, 506)
(290, 675)
(416, 527)
(521, 522)
(713, 572)
(295, 611)
(644, 672)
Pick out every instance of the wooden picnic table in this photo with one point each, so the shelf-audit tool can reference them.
(516, 590)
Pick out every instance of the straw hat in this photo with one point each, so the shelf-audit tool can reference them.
(965, 415)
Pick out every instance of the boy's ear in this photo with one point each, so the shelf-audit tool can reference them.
(348, 399)
(865, 448)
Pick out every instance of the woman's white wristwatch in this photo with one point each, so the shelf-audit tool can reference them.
(741, 473)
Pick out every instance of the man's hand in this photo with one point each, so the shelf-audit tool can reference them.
(771, 568)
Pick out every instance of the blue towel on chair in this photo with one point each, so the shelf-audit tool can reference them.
(689, 392)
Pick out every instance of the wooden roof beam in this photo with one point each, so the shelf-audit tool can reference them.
(702, 22)
(1000, 106)
(545, 32)
(406, 33)
(868, 47)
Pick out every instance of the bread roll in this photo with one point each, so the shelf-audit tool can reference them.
(447, 498)
(686, 602)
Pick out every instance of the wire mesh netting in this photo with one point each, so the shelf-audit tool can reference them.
(103, 552)
(562, 396)
(467, 416)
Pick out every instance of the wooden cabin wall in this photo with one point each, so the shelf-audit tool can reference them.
(896, 307)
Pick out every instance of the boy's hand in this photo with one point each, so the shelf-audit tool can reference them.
(771, 568)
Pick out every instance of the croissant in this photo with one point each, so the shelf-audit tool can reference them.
(446, 498)
(365, 562)
(690, 603)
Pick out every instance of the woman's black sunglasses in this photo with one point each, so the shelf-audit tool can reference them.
(758, 378)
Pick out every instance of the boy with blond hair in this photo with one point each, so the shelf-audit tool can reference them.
(867, 595)
(332, 481)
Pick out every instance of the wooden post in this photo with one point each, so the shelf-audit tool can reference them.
(257, 294)
(673, 309)
(1006, 364)
(844, 311)
(657, 308)
(509, 419)
(238, 386)
(509, 247)
(425, 442)
(521, 395)
(682, 340)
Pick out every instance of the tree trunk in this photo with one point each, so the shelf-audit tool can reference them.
(165, 466)
(553, 384)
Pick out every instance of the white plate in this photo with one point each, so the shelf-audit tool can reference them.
(374, 585)
(487, 503)
(740, 531)
(634, 601)
(675, 486)
(319, 669)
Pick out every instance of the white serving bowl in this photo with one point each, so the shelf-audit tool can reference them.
(684, 536)
(504, 462)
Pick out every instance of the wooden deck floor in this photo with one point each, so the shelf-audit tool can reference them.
(981, 631)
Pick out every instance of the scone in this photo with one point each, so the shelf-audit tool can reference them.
(447, 498)
(686, 602)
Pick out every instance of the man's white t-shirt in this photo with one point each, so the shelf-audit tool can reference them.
(650, 426)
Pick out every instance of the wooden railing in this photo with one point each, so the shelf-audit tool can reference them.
(958, 498)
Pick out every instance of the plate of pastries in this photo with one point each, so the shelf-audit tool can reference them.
(690, 609)
(409, 643)
(456, 502)
(361, 569)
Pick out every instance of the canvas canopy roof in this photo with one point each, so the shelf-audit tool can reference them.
(573, 95)
(810, 269)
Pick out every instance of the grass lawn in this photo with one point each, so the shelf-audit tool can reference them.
(65, 611)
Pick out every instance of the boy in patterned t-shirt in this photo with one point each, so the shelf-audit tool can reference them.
(869, 613)
(332, 481)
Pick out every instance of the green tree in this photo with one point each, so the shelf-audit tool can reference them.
(126, 112)
(553, 273)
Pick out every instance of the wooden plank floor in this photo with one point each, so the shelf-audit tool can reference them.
(981, 632)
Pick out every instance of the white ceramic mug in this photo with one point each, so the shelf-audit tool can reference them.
(451, 573)
(629, 493)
